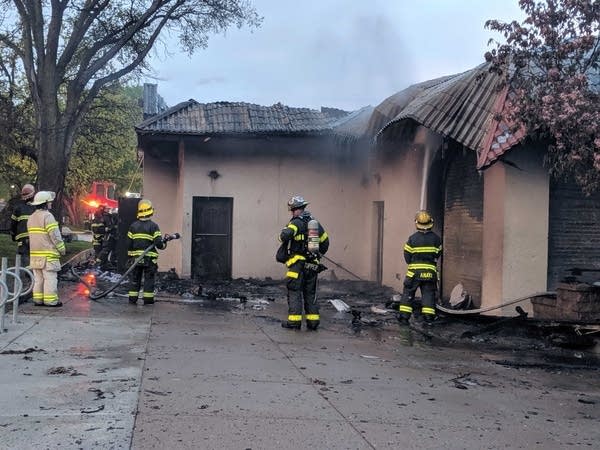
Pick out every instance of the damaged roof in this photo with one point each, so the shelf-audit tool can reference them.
(192, 117)
(388, 109)
(465, 107)
(354, 125)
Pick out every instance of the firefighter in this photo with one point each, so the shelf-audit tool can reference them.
(18, 223)
(104, 228)
(303, 266)
(111, 242)
(101, 225)
(142, 234)
(46, 247)
(421, 253)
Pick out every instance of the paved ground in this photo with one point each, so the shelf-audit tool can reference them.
(218, 372)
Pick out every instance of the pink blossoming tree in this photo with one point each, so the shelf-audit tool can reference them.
(552, 62)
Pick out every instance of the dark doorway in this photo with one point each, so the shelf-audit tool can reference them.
(378, 240)
(211, 241)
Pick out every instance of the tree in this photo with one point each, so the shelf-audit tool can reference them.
(69, 50)
(551, 61)
(105, 147)
(16, 125)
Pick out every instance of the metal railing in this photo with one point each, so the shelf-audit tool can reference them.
(12, 296)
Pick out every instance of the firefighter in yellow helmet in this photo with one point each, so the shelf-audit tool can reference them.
(421, 253)
(45, 248)
(303, 266)
(18, 223)
(142, 234)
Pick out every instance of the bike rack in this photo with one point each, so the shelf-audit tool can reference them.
(8, 296)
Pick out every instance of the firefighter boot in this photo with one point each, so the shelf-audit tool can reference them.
(312, 325)
(291, 325)
(403, 320)
(58, 304)
(429, 319)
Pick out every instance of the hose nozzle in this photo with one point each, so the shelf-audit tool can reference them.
(170, 237)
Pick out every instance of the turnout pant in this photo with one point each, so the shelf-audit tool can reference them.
(23, 250)
(428, 292)
(302, 296)
(97, 249)
(45, 286)
(106, 253)
(147, 272)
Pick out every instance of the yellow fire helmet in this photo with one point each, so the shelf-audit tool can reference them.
(423, 220)
(145, 209)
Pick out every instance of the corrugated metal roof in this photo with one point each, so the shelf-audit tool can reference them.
(192, 117)
(354, 125)
(388, 109)
(460, 107)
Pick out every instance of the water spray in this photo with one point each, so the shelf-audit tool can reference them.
(98, 295)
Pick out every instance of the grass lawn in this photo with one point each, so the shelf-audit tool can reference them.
(8, 248)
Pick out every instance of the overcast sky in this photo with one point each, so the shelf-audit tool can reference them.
(339, 53)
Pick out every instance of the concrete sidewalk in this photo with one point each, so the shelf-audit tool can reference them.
(213, 375)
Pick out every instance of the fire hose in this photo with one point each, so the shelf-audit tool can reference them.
(490, 308)
(96, 296)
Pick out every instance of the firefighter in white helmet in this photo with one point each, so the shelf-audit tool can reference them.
(46, 247)
(303, 265)
(421, 253)
(18, 223)
(142, 234)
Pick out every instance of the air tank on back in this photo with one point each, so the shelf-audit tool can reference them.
(313, 236)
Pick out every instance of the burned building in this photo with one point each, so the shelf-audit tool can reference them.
(221, 174)
(509, 230)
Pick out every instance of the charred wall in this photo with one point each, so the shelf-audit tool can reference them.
(574, 232)
(463, 224)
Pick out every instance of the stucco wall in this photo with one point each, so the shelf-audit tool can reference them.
(396, 181)
(515, 229)
(160, 187)
(526, 225)
(494, 190)
(261, 175)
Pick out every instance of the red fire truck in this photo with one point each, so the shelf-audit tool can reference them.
(101, 193)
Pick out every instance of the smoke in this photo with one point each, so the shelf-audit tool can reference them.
(339, 53)
(359, 62)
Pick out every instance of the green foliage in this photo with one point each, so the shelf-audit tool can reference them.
(552, 62)
(17, 170)
(106, 147)
(16, 128)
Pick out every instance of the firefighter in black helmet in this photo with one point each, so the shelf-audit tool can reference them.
(303, 265)
(142, 234)
(103, 232)
(18, 223)
(421, 253)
